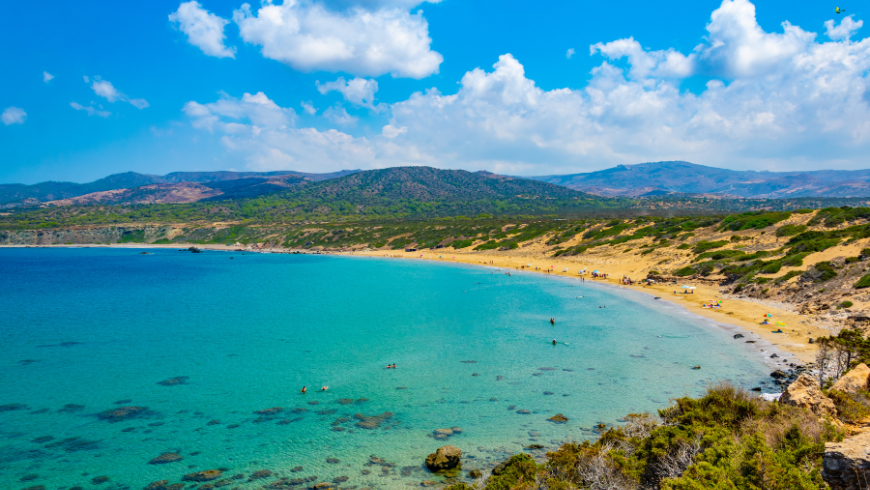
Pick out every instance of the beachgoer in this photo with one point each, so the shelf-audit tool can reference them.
(304, 389)
(394, 366)
(324, 388)
(554, 341)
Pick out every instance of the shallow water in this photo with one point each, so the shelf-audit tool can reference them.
(89, 330)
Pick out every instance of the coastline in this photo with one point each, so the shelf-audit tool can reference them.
(734, 316)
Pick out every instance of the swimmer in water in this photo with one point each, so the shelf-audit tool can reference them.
(324, 388)
(394, 366)
(304, 390)
(554, 341)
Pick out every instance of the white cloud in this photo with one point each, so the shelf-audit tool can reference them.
(738, 47)
(308, 107)
(229, 115)
(569, 53)
(13, 115)
(338, 115)
(390, 131)
(105, 89)
(203, 29)
(844, 30)
(373, 4)
(91, 110)
(658, 64)
(309, 37)
(359, 91)
(809, 111)
(265, 134)
(47, 77)
(87, 80)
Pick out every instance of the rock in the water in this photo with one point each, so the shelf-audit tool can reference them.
(806, 393)
(558, 418)
(122, 413)
(428, 483)
(846, 465)
(207, 475)
(260, 474)
(157, 485)
(442, 433)
(445, 458)
(853, 381)
(178, 380)
(166, 458)
(778, 374)
(269, 411)
(523, 412)
(475, 474)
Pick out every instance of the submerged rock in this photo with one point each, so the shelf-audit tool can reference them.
(166, 458)
(178, 380)
(371, 422)
(558, 418)
(475, 474)
(9, 407)
(122, 413)
(71, 408)
(445, 458)
(201, 476)
(269, 411)
(442, 434)
(260, 474)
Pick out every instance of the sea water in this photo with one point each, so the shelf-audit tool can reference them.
(201, 342)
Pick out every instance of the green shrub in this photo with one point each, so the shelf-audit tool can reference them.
(753, 220)
(772, 267)
(704, 246)
(457, 244)
(788, 276)
(684, 246)
(862, 283)
(790, 230)
(821, 272)
(490, 245)
(846, 304)
(685, 271)
(849, 408)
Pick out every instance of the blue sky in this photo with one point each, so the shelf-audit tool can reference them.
(94, 88)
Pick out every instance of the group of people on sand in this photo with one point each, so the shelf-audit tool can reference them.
(627, 281)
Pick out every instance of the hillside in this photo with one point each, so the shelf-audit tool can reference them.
(232, 184)
(663, 178)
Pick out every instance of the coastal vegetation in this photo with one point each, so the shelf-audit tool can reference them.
(727, 439)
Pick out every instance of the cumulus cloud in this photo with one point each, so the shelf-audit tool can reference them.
(265, 133)
(105, 89)
(91, 110)
(657, 64)
(308, 107)
(204, 29)
(13, 115)
(569, 53)
(47, 77)
(338, 115)
(774, 100)
(373, 4)
(308, 37)
(844, 30)
(359, 91)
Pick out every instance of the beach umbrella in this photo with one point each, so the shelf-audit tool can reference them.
(687, 287)
(595, 271)
(768, 315)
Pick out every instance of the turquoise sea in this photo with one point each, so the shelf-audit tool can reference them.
(199, 343)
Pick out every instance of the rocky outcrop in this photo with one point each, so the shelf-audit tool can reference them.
(805, 392)
(854, 380)
(444, 459)
(166, 458)
(558, 418)
(846, 465)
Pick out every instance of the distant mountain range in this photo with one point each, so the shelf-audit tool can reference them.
(663, 178)
(656, 179)
(177, 187)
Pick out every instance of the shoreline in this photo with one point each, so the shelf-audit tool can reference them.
(787, 346)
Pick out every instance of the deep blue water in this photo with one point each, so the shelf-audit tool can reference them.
(84, 331)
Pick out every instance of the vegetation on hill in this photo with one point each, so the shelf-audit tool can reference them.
(410, 193)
